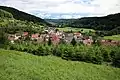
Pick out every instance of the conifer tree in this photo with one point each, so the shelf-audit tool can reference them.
(49, 41)
(73, 42)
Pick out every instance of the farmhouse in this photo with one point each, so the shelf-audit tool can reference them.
(35, 36)
(25, 34)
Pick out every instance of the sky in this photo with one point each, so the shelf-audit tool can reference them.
(67, 9)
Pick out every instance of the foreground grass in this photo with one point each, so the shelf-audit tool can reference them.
(114, 37)
(23, 66)
(66, 29)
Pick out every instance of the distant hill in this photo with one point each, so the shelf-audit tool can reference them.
(99, 23)
(60, 21)
(19, 15)
(109, 25)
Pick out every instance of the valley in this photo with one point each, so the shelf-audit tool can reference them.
(32, 48)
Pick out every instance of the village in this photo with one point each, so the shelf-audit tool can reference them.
(57, 37)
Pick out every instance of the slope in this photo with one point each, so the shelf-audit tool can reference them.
(22, 66)
(5, 14)
(99, 23)
(19, 15)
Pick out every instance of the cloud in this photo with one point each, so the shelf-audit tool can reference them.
(65, 8)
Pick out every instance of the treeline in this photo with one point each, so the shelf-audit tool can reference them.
(98, 23)
(19, 15)
(107, 25)
(90, 54)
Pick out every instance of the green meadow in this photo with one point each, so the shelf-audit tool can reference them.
(114, 37)
(23, 66)
(66, 29)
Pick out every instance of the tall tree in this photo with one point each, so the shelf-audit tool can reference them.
(73, 42)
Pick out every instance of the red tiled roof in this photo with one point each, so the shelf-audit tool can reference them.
(25, 33)
(54, 37)
(10, 38)
(77, 33)
(35, 35)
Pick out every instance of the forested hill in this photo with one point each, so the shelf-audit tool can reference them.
(19, 15)
(99, 23)
(62, 22)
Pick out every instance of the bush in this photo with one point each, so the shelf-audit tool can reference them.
(91, 54)
(3, 38)
(115, 54)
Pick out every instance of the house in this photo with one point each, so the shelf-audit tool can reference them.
(50, 31)
(68, 37)
(54, 38)
(35, 36)
(14, 36)
(40, 38)
(87, 42)
(47, 36)
(77, 35)
(17, 36)
(25, 34)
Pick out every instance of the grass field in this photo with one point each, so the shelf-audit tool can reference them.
(75, 29)
(114, 37)
(23, 66)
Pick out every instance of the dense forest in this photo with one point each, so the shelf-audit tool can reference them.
(99, 23)
(19, 15)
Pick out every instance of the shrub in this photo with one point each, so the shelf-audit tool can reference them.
(115, 53)
(92, 54)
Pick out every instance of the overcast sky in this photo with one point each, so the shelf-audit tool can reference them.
(65, 8)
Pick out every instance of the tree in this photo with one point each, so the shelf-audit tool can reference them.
(3, 38)
(49, 41)
(73, 42)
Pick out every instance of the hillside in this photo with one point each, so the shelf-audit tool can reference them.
(99, 23)
(62, 22)
(107, 25)
(5, 14)
(19, 15)
(22, 66)
(5, 17)
(11, 25)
